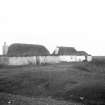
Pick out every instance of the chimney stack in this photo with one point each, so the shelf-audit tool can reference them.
(5, 49)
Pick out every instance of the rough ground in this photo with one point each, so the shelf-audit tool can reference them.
(58, 84)
(9, 99)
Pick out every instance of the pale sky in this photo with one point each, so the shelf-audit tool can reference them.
(74, 23)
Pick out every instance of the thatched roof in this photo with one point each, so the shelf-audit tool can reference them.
(82, 53)
(69, 51)
(18, 49)
(65, 51)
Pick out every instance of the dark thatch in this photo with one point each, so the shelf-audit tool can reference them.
(69, 51)
(66, 51)
(18, 49)
(82, 53)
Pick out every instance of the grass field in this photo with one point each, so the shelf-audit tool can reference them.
(57, 84)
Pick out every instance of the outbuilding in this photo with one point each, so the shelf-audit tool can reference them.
(70, 54)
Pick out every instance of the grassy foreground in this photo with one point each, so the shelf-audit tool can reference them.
(10, 99)
(59, 84)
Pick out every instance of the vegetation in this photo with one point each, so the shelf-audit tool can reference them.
(65, 83)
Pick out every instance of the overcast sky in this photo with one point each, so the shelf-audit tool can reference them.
(74, 23)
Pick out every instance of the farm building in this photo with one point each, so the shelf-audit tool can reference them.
(70, 54)
(68, 51)
(23, 54)
(22, 50)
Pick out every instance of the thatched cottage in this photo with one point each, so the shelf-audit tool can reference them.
(23, 54)
(70, 54)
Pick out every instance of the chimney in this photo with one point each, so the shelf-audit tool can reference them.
(5, 49)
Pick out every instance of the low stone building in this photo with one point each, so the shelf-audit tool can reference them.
(23, 54)
(70, 54)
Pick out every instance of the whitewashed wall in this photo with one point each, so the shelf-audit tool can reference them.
(33, 60)
(52, 59)
(89, 58)
(43, 59)
(21, 60)
(4, 60)
(17, 61)
(80, 58)
(72, 58)
(67, 58)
